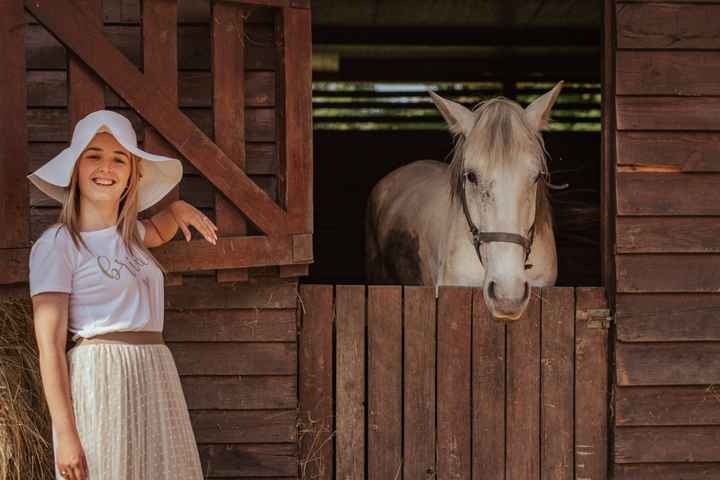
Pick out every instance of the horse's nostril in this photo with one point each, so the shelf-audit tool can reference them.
(491, 290)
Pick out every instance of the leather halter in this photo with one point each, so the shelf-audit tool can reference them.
(488, 237)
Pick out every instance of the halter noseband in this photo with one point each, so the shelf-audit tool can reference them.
(488, 237)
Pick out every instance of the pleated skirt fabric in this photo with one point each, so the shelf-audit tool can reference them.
(131, 414)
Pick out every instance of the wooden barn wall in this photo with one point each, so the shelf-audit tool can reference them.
(667, 400)
(235, 344)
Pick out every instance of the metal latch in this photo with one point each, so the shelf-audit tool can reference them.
(596, 317)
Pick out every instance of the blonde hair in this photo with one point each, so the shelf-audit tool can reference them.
(127, 226)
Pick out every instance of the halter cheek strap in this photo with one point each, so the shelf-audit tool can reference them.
(488, 237)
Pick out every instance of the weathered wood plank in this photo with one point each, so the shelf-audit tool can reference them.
(240, 392)
(667, 194)
(199, 293)
(228, 57)
(384, 416)
(608, 138)
(15, 211)
(488, 416)
(671, 273)
(15, 262)
(230, 325)
(667, 406)
(315, 310)
(667, 471)
(297, 71)
(243, 460)
(667, 73)
(668, 113)
(90, 44)
(419, 382)
(668, 235)
(44, 52)
(683, 151)
(557, 364)
(454, 324)
(523, 393)
(667, 444)
(235, 358)
(350, 381)
(668, 317)
(668, 363)
(244, 426)
(85, 93)
(667, 26)
(591, 396)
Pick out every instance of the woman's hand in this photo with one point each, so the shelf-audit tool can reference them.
(71, 457)
(185, 214)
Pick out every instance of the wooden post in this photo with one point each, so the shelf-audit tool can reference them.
(15, 211)
(228, 73)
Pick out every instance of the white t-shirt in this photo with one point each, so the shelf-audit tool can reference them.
(110, 290)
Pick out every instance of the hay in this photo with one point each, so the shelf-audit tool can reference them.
(25, 428)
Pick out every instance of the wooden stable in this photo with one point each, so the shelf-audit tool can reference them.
(396, 384)
(267, 365)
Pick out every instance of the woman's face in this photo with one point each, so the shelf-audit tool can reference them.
(103, 169)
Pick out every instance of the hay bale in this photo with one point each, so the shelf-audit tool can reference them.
(25, 428)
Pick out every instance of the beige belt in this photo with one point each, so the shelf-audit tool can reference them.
(136, 338)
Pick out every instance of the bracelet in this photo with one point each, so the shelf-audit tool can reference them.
(157, 229)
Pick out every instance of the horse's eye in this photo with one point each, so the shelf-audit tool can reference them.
(471, 177)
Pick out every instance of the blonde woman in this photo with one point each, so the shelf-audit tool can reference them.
(115, 399)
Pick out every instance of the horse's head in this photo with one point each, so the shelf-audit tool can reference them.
(498, 172)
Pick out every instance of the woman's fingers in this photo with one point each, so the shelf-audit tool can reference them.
(185, 230)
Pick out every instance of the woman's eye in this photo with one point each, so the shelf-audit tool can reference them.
(120, 160)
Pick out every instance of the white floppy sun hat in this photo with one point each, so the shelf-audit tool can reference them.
(159, 174)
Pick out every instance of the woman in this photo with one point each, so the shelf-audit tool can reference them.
(115, 398)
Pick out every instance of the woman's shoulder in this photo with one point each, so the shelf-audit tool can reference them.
(56, 236)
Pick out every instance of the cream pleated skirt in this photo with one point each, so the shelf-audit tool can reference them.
(131, 414)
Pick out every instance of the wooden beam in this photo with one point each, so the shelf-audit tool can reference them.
(228, 73)
(15, 211)
(73, 27)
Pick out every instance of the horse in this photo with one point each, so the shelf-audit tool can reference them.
(483, 219)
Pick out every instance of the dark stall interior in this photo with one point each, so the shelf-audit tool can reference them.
(373, 63)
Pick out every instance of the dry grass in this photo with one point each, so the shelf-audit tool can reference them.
(315, 436)
(25, 430)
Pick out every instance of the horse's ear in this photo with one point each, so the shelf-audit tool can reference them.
(459, 118)
(538, 112)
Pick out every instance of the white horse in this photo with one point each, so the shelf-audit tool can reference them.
(482, 220)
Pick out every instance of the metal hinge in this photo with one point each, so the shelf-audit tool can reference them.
(596, 317)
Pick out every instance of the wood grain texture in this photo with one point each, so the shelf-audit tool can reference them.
(297, 81)
(684, 151)
(453, 382)
(228, 60)
(668, 113)
(316, 423)
(591, 396)
(198, 293)
(671, 194)
(667, 406)
(15, 212)
(667, 471)
(240, 392)
(668, 235)
(248, 460)
(669, 273)
(667, 26)
(557, 368)
(244, 426)
(419, 400)
(668, 363)
(523, 393)
(350, 381)
(230, 325)
(488, 367)
(235, 358)
(667, 444)
(685, 73)
(385, 361)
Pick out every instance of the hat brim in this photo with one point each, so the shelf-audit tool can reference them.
(160, 173)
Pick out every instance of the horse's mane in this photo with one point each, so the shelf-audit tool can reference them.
(502, 131)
